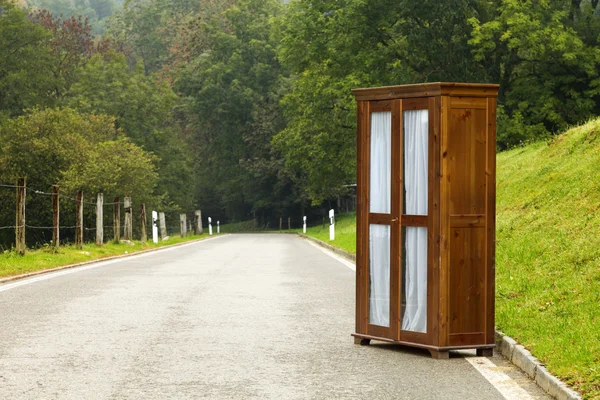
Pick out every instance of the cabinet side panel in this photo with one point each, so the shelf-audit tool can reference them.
(491, 221)
(467, 165)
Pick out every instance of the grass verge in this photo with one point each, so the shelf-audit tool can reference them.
(547, 252)
(12, 264)
(345, 232)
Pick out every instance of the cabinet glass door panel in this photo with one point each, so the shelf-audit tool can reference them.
(381, 162)
(416, 137)
(380, 204)
(379, 274)
(414, 231)
(414, 277)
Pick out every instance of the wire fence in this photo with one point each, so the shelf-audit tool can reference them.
(67, 219)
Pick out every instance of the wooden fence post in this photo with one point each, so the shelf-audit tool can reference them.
(289, 223)
(79, 221)
(280, 223)
(182, 224)
(20, 218)
(117, 221)
(163, 225)
(100, 220)
(128, 228)
(144, 237)
(198, 222)
(55, 217)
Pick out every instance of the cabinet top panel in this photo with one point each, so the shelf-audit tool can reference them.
(426, 90)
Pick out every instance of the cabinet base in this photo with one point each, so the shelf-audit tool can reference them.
(440, 353)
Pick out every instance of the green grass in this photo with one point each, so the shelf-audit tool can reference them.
(35, 260)
(345, 232)
(547, 254)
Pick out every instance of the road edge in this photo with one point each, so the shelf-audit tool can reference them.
(517, 354)
(81, 264)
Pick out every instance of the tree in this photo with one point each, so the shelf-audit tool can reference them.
(70, 45)
(232, 86)
(76, 151)
(547, 72)
(25, 62)
(142, 106)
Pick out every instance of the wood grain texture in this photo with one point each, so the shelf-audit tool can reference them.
(460, 222)
(20, 245)
(444, 243)
(55, 216)
(433, 228)
(359, 215)
(467, 280)
(490, 239)
(99, 219)
(362, 251)
(116, 220)
(396, 209)
(426, 90)
(469, 102)
(79, 221)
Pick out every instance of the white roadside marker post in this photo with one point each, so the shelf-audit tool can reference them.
(154, 227)
(209, 226)
(304, 224)
(218, 226)
(331, 225)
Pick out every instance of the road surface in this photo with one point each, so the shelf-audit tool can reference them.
(234, 317)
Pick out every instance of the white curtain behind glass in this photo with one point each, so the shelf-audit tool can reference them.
(416, 133)
(380, 202)
(379, 275)
(381, 162)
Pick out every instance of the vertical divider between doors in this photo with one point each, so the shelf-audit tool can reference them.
(396, 210)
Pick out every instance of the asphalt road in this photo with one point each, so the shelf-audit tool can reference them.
(235, 317)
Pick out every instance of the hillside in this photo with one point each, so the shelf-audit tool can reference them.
(548, 252)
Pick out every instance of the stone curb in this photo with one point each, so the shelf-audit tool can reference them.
(336, 250)
(522, 358)
(506, 346)
(47, 271)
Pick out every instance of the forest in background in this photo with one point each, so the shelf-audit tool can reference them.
(242, 108)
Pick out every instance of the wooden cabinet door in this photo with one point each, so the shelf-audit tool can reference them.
(378, 216)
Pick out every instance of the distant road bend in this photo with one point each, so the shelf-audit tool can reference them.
(261, 316)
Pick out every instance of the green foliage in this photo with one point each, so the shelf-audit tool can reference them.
(78, 152)
(24, 62)
(96, 12)
(232, 84)
(331, 47)
(548, 73)
(142, 106)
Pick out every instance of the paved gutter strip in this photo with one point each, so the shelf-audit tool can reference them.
(97, 260)
(505, 345)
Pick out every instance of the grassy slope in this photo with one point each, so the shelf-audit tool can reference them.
(548, 252)
(36, 260)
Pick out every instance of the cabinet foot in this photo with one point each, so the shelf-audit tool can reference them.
(362, 341)
(440, 355)
(485, 352)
